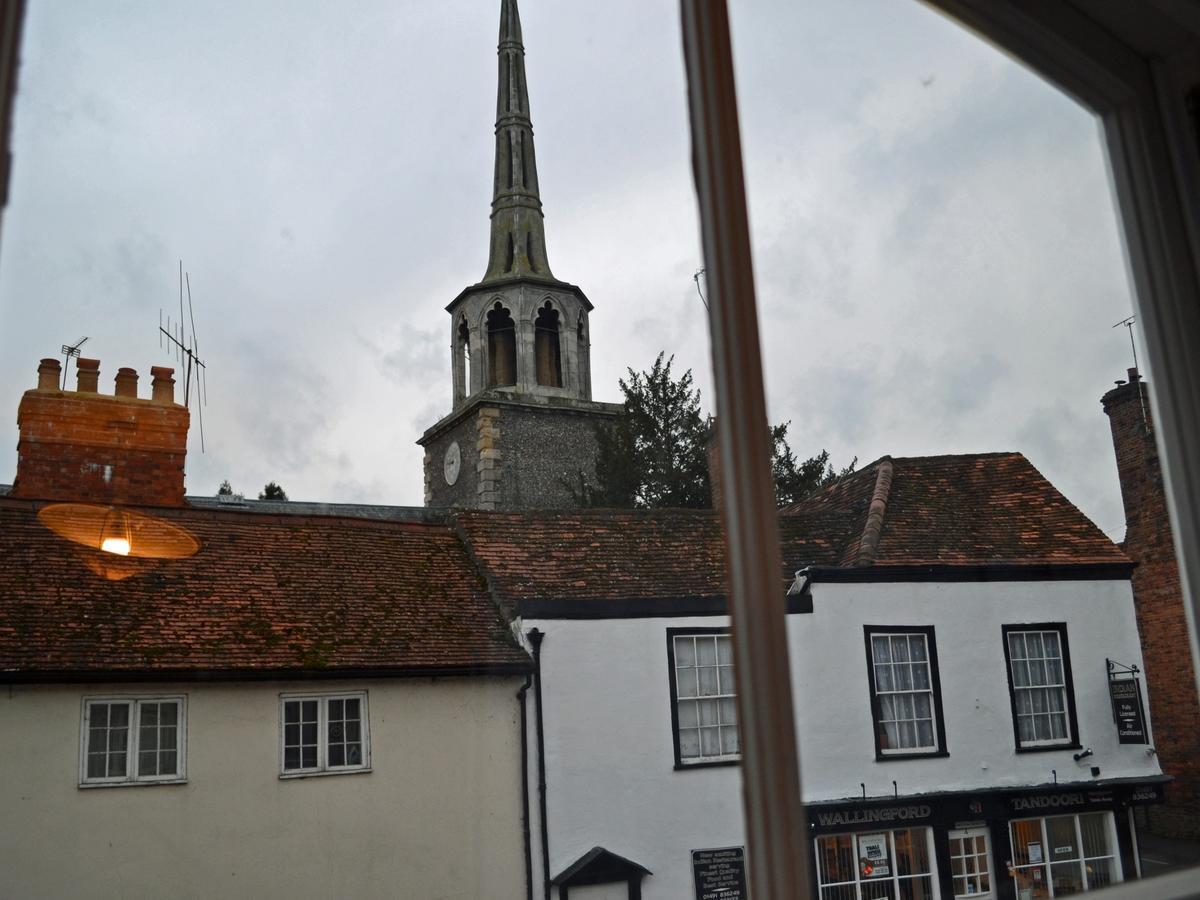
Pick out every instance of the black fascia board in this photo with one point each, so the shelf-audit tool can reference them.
(640, 607)
(96, 676)
(1113, 571)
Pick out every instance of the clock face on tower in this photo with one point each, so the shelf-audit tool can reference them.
(452, 463)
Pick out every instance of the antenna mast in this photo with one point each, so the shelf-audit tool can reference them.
(186, 349)
(1128, 323)
(69, 351)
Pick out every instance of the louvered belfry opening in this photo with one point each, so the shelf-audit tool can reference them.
(502, 347)
(546, 347)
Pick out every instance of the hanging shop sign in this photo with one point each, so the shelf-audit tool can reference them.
(1126, 694)
(720, 874)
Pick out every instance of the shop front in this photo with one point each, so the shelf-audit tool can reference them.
(1013, 844)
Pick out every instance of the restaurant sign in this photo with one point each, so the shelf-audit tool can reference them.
(1126, 694)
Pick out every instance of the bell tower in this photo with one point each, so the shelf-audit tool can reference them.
(521, 432)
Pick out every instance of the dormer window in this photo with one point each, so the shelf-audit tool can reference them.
(546, 347)
(502, 348)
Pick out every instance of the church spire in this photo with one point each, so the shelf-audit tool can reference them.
(518, 242)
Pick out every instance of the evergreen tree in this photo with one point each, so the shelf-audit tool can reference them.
(226, 489)
(656, 454)
(272, 491)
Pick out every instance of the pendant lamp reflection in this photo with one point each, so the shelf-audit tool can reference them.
(117, 531)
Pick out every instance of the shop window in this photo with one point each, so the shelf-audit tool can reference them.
(906, 700)
(703, 696)
(1039, 684)
(1061, 855)
(879, 864)
(324, 734)
(133, 741)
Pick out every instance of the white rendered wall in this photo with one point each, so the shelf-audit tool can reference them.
(609, 752)
(439, 816)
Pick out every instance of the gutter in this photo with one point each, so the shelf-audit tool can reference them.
(521, 691)
(535, 639)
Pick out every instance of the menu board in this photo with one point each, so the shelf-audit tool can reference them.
(720, 874)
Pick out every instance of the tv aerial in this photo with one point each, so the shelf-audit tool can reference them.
(186, 350)
(69, 352)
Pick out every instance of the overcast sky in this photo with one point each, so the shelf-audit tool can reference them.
(936, 248)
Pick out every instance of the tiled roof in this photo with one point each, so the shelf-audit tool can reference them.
(598, 555)
(971, 509)
(265, 594)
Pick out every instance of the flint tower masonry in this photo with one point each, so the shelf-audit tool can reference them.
(522, 430)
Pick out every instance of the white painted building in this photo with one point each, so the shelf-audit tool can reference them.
(950, 666)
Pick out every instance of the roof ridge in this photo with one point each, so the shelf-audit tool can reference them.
(873, 529)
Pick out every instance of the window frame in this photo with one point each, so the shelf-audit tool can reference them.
(1072, 741)
(935, 684)
(894, 878)
(132, 778)
(323, 699)
(1045, 865)
(703, 762)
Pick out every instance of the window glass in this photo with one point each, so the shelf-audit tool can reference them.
(1062, 855)
(324, 733)
(1039, 687)
(116, 751)
(875, 865)
(904, 692)
(706, 707)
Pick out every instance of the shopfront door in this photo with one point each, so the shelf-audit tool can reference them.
(971, 863)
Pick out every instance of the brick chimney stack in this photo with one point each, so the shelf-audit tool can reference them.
(1162, 621)
(90, 447)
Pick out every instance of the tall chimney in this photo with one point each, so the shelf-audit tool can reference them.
(1158, 600)
(89, 447)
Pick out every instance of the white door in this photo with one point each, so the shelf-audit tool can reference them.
(971, 863)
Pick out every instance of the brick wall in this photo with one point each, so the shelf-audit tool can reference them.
(85, 446)
(1162, 622)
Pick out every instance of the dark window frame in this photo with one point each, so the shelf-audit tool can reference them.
(1072, 742)
(935, 683)
(680, 765)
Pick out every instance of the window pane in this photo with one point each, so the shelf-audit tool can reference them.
(1025, 833)
(725, 680)
(291, 712)
(1037, 672)
(1066, 878)
(706, 651)
(1094, 827)
(354, 754)
(335, 708)
(352, 708)
(1020, 670)
(168, 763)
(308, 756)
(1033, 640)
(883, 678)
(166, 738)
(708, 712)
(1050, 644)
(147, 763)
(685, 651)
(708, 681)
(116, 765)
(148, 738)
(920, 676)
(96, 765)
(728, 710)
(689, 743)
(900, 649)
(686, 683)
(337, 755)
(880, 649)
(168, 714)
(98, 715)
(923, 706)
(1100, 873)
(916, 647)
(354, 729)
(724, 650)
(687, 714)
(925, 733)
(118, 716)
(291, 757)
(903, 677)
(308, 732)
(710, 742)
(729, 740)
(1060, 832)
(149, 714)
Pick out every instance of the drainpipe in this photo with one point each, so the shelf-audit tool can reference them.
(521, 691)
(535, 640)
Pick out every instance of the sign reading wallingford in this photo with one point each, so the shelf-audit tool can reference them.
(1126, 696)
(868, 816)
(720, 874)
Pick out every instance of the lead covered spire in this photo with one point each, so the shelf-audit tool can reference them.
(518, 241)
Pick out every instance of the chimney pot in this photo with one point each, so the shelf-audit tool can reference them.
(1134, 377)
(48, 373)
(126, 380)
(88, 373)
(163, 384)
